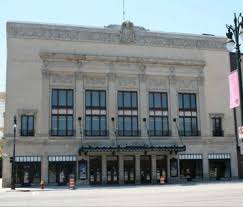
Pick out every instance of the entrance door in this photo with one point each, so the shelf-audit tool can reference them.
(145, 169)
(129, 169)
(161, 167)
(95, 170)
(112, 170)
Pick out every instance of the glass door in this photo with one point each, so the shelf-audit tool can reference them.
(161, 167)
(112, 170)
(129, 169)
(95, 170)
(145, 169)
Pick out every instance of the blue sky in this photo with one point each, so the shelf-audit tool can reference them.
(186, 16)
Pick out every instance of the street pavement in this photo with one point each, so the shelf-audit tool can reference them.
(220, 194)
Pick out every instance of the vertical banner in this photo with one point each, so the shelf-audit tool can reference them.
(234, 89)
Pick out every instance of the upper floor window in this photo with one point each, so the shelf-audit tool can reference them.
(127, 99)
(27, 125)
(62, 98)
(62, 112)
(188, 114)
(217, 127)
(95, 113)
(127, 113)
(158, 114)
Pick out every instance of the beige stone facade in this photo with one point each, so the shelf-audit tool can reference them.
(43, 57)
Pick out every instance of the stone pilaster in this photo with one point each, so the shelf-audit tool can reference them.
(79, 104)
(121, 169)
(137, 167)
(143, 106)
(205, 166)
(104, 169)
(173, 102)
(112, 103)
(44, 168)
(43, 117)
(153, 166)
(203, 116)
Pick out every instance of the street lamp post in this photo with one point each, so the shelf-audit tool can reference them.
(233, 34)
(13, 161)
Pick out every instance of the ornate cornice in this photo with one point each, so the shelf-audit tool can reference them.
(121, 59)
(113, 36)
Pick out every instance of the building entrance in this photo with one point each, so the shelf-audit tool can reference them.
(161, 167)
(129, 169)
(112, 170)
(95, 170)
(145, 169)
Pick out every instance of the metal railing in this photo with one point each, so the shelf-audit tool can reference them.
(191, 133)
(26, 133)
(125, 133)
(90, 133)
(218, 133)
(68, 133)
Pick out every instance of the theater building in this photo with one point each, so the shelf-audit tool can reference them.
(116, 105)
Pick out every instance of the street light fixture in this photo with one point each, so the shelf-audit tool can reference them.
(13, 181)
(234, 33)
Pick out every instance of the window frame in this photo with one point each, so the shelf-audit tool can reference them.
(67, 107)
(28, 131)
(91, 107)
(133, 107)
(192, 114)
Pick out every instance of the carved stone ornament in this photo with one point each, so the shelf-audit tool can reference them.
(127, 33)
(187, 84)
(128, 83)
(61, 79)
(155, 83)
(91, 81)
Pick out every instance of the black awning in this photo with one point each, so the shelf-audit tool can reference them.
(132, 148)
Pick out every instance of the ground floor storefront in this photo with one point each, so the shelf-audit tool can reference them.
(112, 168)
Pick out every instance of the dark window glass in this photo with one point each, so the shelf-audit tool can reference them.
(180, 101)
(54, 98)
(134, 99)
(62, 98)
(62, 125)
(27, 125)
(217, 126)
(157, 100)
(88, 99)
(95, 98)
(120, 99)
(102, 99)
(151, 100)
(127, 99)
(69, 98)
(193, 102)
(95, 124)
(158, 125)
(186, 100)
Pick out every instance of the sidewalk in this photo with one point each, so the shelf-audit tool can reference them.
(91, 187)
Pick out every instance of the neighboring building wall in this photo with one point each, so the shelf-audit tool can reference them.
(42, 57)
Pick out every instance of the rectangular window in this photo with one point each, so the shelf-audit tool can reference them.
(62, 112)
(188, 114)
(158, 114)
(27, 125)
(127, 113)
(217, 127)
(95, 113)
